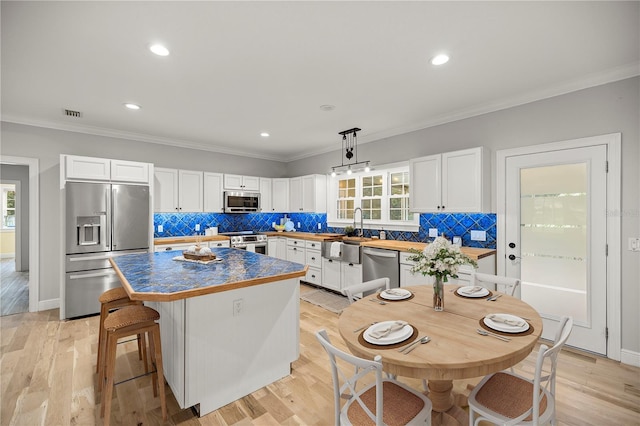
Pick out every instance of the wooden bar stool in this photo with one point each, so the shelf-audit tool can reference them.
(124, 322)
(110, 300)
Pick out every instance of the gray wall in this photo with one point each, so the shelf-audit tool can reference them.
(610, 108)
(604, 109)
(21, 174)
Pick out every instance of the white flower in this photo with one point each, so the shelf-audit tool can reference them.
(440, 259)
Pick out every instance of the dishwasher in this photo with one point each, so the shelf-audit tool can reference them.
(380, 263)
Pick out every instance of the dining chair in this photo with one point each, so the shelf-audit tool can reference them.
(507, 398)
(383, 402)
(510, 284)
(366, 288)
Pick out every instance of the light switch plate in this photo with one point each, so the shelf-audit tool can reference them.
(197, 227)
(634, 244)
(433, 232)
(478, 235)
(160, 229)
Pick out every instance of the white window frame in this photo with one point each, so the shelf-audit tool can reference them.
(385, 222)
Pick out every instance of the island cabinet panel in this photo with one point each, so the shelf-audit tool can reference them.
(230, 354)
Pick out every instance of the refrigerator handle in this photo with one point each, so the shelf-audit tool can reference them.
(109, 219)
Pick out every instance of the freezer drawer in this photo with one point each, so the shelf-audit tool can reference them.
(85, 262)
(82, 290)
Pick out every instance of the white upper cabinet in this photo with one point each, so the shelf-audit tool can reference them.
(104, 169)
(453, 182)
(213, 201)
(308, 194)
(178, 190)
(129, 171)
(265, 195)
(242, 183)
(279, 195)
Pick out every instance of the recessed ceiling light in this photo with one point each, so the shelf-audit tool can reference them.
(327, 108)
(264, 134)
(439, 59)
(132, 106)
(159, 50)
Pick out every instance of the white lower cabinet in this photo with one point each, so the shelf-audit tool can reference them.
(313, 256)
(170, 247)
(296, 251)
(350, 274)
(331, 274)
(277, 247)
(486, 265)
(225, 243)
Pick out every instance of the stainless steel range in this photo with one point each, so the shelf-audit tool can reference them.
(248, 240)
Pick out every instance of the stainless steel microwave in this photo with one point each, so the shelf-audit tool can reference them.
(241, 202)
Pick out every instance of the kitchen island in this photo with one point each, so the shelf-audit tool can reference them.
(228, 327)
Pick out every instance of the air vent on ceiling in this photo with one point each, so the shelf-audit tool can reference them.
(72, 113)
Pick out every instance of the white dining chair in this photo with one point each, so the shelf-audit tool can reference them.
(506, 285)
(507, 398)
(384, 402)
(353, 292)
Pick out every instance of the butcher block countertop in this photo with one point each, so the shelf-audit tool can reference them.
(306, 236)
(157, 277)
(188, 239)
(472, 252)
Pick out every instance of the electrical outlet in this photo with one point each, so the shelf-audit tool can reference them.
(319, 227)
(238, 305)
(634, 244)
(298, 225)
(197, 227)
(433, 232)
(160, 229)
(478, 235)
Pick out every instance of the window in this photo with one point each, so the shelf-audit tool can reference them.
(383, 195)
(399, 197)
(346, 198)
(372, 191)
(8, 206)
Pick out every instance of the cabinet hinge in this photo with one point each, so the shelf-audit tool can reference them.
(606, 166)
(606, 249)
(606, 332)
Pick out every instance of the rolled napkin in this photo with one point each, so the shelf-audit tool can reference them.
(503, 320)
(474, 290)
(391, 328)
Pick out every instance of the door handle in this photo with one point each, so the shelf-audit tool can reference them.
(513, 257)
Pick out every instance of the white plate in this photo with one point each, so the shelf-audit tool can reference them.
(396, 294)
(506, 328)
(464, 291)
(390, 339)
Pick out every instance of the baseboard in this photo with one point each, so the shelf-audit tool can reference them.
(45, 305)
(630, 358)
(7, 255)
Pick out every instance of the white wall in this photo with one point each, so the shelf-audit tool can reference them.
(610, 108)
(21, 174)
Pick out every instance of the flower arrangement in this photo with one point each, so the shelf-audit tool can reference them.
(440, 259)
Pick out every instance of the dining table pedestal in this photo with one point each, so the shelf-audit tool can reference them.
(446, 404)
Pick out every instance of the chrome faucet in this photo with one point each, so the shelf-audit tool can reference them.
(361, 232)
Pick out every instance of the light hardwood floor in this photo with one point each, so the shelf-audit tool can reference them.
(47, 377)
(14, 289)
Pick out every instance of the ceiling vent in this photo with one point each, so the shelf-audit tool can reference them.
(72, 113)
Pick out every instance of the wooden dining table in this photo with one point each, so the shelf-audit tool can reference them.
(456, 349)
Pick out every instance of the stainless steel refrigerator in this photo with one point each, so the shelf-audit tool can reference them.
(102, 221)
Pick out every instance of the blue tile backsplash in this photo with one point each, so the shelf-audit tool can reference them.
(451, 224)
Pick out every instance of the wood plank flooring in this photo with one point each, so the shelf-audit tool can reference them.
(47, 377)
(14, 289)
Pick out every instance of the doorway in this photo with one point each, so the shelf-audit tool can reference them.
(555, 234)
(28, 248)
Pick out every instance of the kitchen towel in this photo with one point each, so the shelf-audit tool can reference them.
(335, 249)
(251, 248)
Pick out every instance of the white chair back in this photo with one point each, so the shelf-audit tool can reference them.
(353, 291)
(508, 284)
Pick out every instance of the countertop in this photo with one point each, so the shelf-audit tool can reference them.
(157, 277)
(188, 239)
(306, 236)
(472, 252)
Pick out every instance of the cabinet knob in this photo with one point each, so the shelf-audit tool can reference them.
(313, 258)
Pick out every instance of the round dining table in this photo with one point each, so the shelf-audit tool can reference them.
(456, 349)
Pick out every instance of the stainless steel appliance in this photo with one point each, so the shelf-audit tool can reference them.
(248, 240)
(241, 202)
(379, 263)
(102, 221)
(349, 252)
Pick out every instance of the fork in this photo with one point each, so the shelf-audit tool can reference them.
(497, 336)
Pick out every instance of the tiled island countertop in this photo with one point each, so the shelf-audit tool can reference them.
(157, 277)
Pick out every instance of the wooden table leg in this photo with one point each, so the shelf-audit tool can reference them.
(445, 412)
